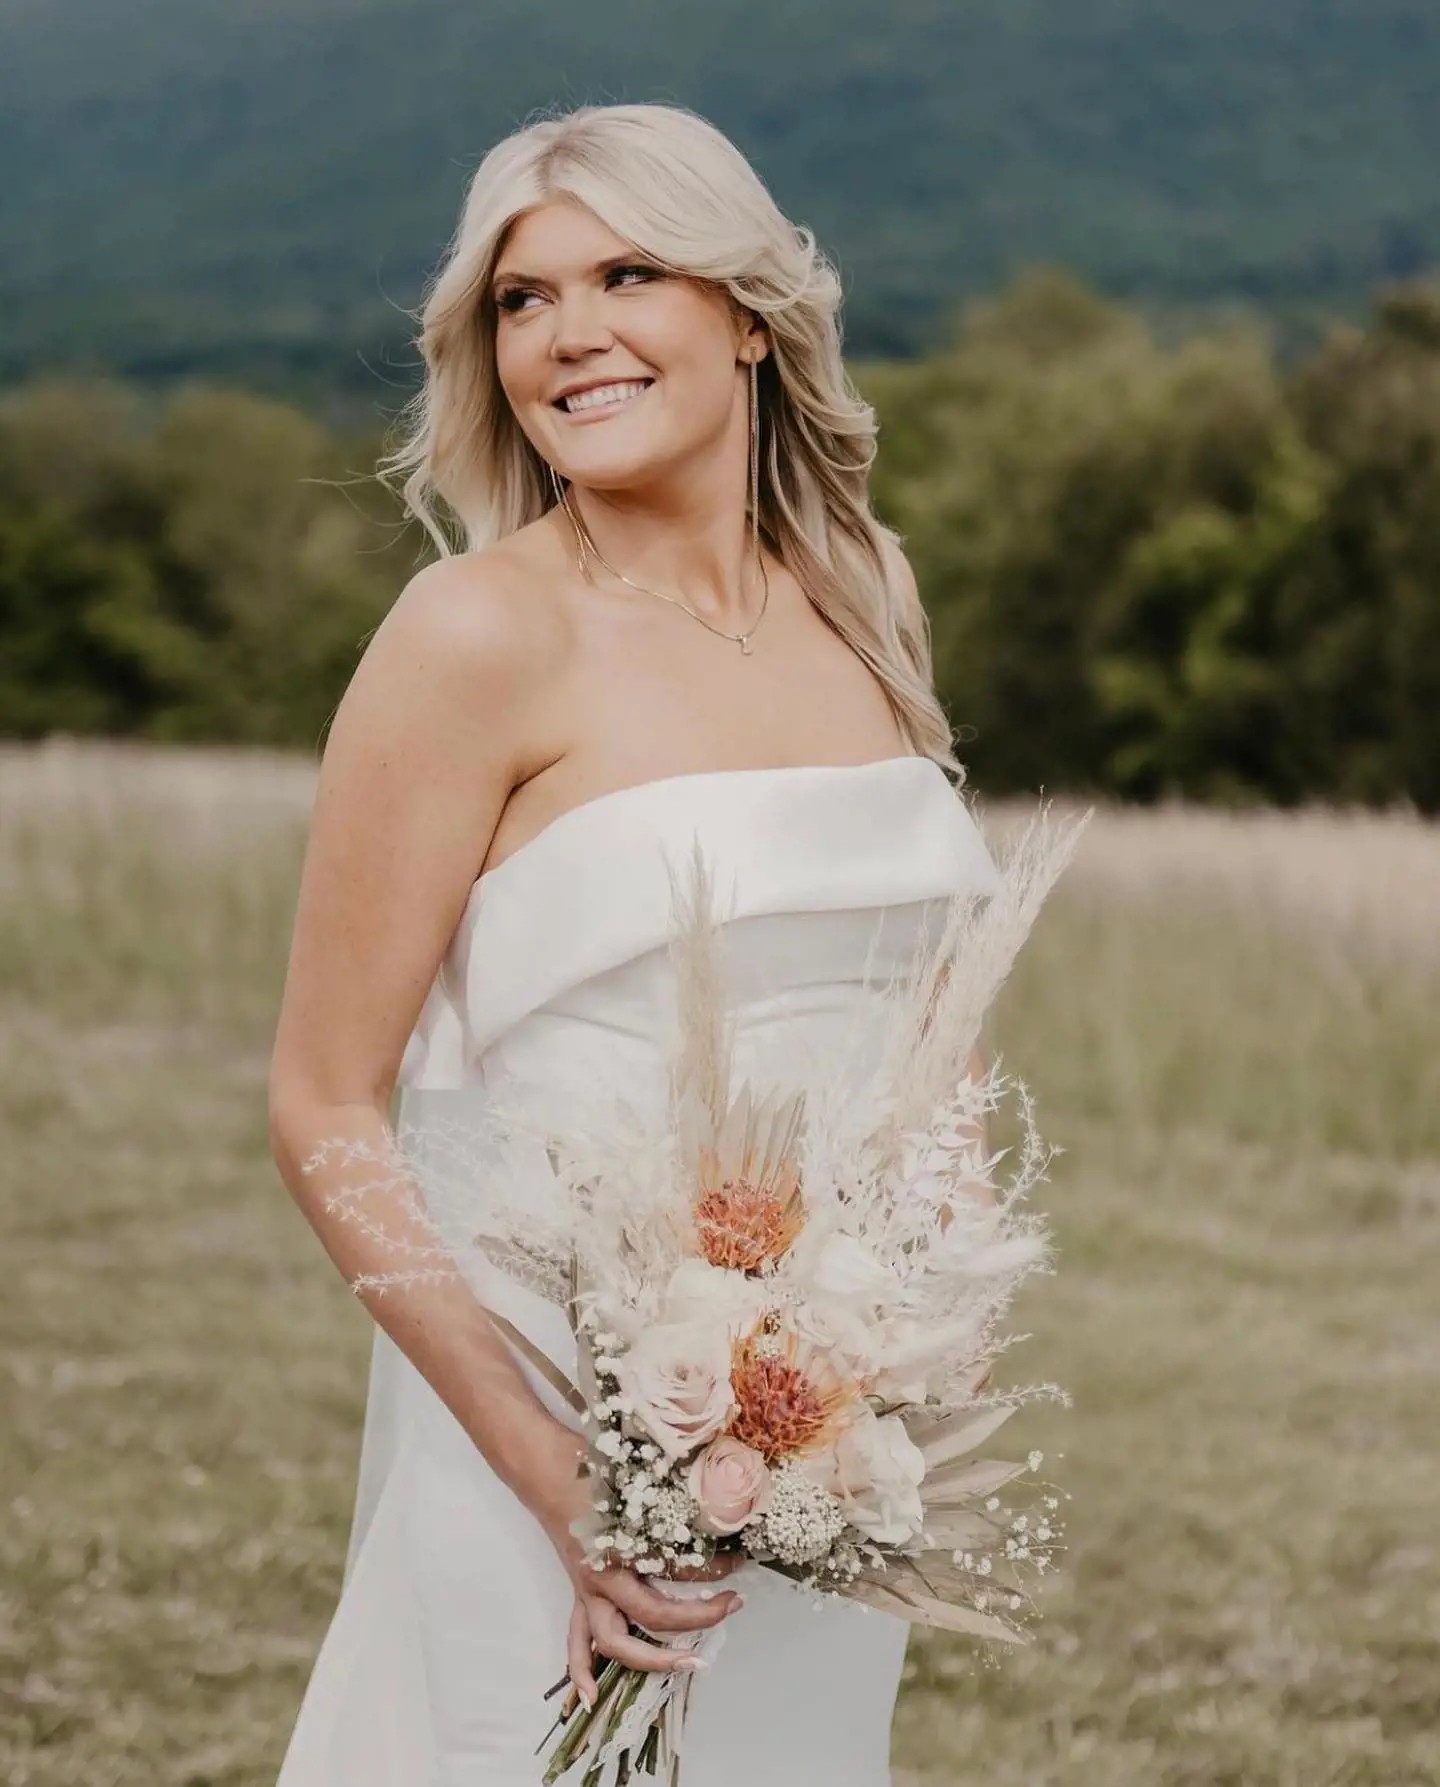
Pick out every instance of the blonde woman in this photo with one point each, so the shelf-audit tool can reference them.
(662, 611)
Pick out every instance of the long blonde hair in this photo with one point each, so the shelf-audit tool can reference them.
(675, 186)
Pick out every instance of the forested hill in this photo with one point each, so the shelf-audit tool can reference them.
(250, 187)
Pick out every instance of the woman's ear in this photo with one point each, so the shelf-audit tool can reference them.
(755, 342)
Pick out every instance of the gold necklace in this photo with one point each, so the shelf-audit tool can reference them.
(585, 543)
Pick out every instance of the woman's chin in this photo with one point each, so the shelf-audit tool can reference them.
(618, 471)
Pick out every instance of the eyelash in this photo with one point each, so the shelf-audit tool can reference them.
(508, 300)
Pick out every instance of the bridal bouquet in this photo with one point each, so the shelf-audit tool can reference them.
(787, 1301)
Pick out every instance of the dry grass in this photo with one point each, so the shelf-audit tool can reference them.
(1228, 1023)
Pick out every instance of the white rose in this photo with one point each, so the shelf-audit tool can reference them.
(677, 1376)
(840, 1332)
(700, 1292)
(878, 1472)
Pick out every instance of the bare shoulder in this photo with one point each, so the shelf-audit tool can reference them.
(485, 611)
(446, 712)
(470, 643)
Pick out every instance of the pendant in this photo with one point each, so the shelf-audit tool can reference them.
(745, 646)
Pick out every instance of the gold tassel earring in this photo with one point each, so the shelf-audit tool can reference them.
(755, 458)
(586, 548)
(582, 556)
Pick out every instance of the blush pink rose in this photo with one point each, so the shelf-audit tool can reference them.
(677, 1376)
(730, 1482)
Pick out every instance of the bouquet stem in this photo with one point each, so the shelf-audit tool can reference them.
(616, 1688)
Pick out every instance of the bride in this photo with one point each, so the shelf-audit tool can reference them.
(671, 615)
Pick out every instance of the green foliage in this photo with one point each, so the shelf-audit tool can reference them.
(187, 570)
(1166, 572)
(1152, 571)
(1370, 590)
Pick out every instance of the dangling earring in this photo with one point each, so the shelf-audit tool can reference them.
(582, 556)
(755, 458)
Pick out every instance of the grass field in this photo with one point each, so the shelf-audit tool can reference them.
(1229, 1025)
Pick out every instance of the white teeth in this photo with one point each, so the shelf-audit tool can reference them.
(603, 394)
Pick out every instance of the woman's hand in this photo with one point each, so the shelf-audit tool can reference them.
(609, 1599)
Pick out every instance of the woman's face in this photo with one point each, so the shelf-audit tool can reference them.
(649, 360)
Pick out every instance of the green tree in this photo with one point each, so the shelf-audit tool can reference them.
(186, 569)
(1369, 403)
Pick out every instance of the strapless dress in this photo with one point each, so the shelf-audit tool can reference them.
(453, 1613)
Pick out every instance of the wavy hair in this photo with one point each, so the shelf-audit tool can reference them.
(677, 188)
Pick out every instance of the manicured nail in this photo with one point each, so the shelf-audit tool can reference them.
(694, 1663)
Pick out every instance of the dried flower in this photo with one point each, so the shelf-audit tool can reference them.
(788, 1396)
(802, 1522)
(744, 1226)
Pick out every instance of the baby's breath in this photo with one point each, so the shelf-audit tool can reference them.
(802, 1522)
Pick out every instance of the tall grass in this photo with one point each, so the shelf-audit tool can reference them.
(1227, 1023)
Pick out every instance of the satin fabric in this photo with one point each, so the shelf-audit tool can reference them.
(454, 1608)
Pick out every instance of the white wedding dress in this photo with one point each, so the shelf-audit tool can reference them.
(453, 1616)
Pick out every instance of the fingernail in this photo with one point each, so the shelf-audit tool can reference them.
(736, 1603)
(694, 1663)
(589, 1700)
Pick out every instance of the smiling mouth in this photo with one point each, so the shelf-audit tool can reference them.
(603, 400)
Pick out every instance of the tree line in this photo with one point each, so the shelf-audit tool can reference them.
(1153, 568)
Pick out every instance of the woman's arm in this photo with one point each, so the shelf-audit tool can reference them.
(438, 724)
(423, 751)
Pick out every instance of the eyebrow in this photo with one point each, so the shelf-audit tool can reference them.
(511, 277)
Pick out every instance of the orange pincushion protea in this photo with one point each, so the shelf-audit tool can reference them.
(744, 1156)
(785, 1403)
(743, 1226)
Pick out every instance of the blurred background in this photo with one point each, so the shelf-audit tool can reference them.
(1147, 297)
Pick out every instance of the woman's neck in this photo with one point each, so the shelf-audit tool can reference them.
(697, 552)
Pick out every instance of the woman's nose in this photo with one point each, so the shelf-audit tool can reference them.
(579, 325)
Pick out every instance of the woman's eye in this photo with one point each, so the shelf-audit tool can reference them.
(643, 272)
(514, 297)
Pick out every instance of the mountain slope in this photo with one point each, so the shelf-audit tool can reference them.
(253, 188)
